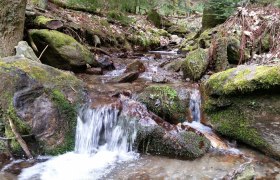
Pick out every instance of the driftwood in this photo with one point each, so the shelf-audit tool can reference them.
(19, 139)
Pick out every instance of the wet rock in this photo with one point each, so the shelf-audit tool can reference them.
(23, 49)
(105, 62)
(63, 51)
(174, 65)
(127, 77)
(11, 25)
(15, 167)
(7, 176)
(244, 172)
(94, 71)
(174, 39)
(4, 159)
(165, 102)
(243, 104)
(135, 66)
(159, 78)
(177, 29)
(195, 64)
(156, 136)
(42, 101)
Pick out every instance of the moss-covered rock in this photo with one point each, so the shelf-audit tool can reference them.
(183, 145)
(177, 29)
(165, 102)
(41, 101)
(243, 103)
(195, 64)
(233, 50)
(63, 51)
(243, 79)
(220, 56)
(158, 137)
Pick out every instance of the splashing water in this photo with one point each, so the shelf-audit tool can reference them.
(102, 141)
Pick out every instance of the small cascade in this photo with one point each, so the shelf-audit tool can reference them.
(195, 109)
(195, 103)
(102, 141)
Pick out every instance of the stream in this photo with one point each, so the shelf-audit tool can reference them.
(104, 142)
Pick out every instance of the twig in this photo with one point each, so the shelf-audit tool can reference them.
(43, 52)
(20, 140)
(11, 138)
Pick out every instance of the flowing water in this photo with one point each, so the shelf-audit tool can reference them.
(102, 141)
(103, 144)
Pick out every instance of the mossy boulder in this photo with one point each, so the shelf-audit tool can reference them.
(159, 141)
(177, 29)
(243, 103)
(62, 51)
(42, 102)
(158, 137)
(233, 50)
(195, 64)
(165, 102)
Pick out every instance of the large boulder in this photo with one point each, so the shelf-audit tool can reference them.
(12, 16)
(158, 137)
(42, 102)
(62, 51)
(165, 102)
(195, 64)
(243, 103)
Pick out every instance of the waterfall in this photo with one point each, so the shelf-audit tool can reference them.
(102, 141)
(194, 106)
(102, 127)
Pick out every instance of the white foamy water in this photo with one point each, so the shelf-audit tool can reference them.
(102, 141)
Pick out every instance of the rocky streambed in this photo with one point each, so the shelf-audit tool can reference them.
(193, 150)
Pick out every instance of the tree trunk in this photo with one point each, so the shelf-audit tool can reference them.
(12, 16)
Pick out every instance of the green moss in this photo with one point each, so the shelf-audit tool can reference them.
(234, 124)
(184, 145)
(67, 112)
(164, 101)
(244, 79)
(56, 38)
(41, 20)
(195, 64)
(42, 73)
(22, 127)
